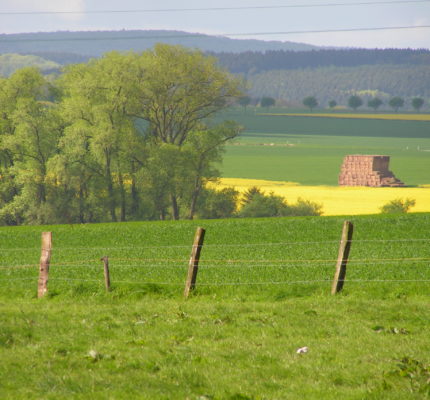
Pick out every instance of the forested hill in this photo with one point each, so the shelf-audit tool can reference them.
(333, 74)
(94, 44)
(252, 62)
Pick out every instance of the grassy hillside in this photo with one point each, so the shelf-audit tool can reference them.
(236, 341)
(310, 150)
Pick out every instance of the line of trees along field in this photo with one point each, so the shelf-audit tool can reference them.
(123, 137)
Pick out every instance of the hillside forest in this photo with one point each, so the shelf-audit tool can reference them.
(124, 137)
(287, 74)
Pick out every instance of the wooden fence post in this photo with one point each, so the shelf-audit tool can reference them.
(105, 260)
(45, 258)
(342, 258)
(194, 261)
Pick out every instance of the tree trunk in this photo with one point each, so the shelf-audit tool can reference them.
(134, 207)
(81, 204)
(123, 200)
(110, 191)
(194, 198)
(175, 207)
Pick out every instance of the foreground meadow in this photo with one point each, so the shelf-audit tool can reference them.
(262, 293)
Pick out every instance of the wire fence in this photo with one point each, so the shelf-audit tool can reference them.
(379, 261)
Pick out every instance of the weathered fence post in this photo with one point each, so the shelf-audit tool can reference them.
(342, 258)
(194, 261)
(45, 258)
(105, 260)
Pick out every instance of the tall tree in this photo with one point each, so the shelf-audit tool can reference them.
(355, 102)
(267, 102)
(374, 103)
(417, 103)
(182, 89)
(244, 101)
(311, 102)
(396, 103)
(30, 128)
(102, 135)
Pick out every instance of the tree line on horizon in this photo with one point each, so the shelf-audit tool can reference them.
(354, 102)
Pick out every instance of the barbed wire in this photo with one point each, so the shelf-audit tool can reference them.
(221, 263)
(215, 245)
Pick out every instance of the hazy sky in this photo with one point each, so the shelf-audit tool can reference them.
(344, 16)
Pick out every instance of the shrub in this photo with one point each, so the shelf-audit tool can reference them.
(257, 204)
(305, 208)
(397, 206)
(261, 205)
(218, 203)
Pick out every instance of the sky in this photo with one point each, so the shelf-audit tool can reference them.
(317, 15)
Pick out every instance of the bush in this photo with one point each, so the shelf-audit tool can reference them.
(261, 205)
(397, 206)
(305, 208)
(218, 203)
(257, 204)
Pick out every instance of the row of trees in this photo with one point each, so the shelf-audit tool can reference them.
(355, 102)
(128, 136)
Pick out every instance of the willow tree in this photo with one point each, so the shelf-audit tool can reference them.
(180, 91)
(30, 129)
(101, 139)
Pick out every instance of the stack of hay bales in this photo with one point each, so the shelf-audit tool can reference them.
(364, 170)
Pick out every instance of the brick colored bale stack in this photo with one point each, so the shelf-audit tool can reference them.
(363, 170)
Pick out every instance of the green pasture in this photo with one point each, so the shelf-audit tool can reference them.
(310, 150)
(263, 291)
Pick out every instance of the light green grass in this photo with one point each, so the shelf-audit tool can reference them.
(226, 342)
(317, 147)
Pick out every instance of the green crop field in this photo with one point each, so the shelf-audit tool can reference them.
(310, 150)
(263, 291)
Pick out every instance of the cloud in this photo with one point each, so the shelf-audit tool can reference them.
(47, 5)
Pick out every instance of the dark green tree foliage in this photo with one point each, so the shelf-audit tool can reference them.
(244, 101)
(332, 103)
(396, 103)
(417, 103)
(218, 203)
(384, 81)
(267, 102)
(263, 205)
(310, 102)
(374, 103)
(355, 102)
(273, 60)
(256, 203)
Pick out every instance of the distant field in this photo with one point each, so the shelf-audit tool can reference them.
(337, 200)
(396, 117)
(310, 151)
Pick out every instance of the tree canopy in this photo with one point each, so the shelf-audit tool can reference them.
(126, 136)
(354, 102)
(310, 102)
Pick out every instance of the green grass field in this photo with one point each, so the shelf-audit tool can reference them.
(310, 150)
(262, 292)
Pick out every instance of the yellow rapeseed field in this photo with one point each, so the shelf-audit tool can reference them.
(337, 200)
(403, 117)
